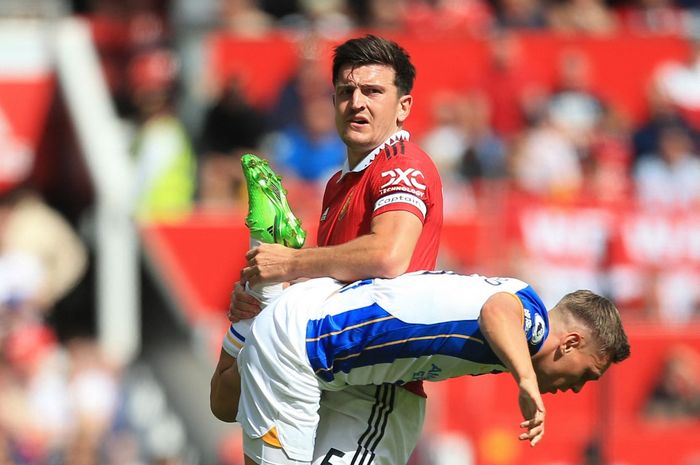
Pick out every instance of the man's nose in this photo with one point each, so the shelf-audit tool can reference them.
(358, 99)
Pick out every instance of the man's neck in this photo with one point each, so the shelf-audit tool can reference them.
(356, 158)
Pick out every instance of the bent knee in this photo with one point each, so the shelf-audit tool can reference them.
(227, 415)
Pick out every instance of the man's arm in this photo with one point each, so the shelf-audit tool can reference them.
(225, 388)
(501, 322)
(383, 253)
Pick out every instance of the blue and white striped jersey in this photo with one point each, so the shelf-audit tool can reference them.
(419, 326)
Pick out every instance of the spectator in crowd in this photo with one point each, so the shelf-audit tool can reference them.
(65, 398)
(590, 17)
(520, 14)
(653, 17)
(447, 140)
(329, 18)
(41, 260)
(118, 29)
(510, 83)
(669, 177)
(676, 394)
(69, 404)
(41, 257)
(245, 19)
(428, 18)
(231, 128)
(485, 156)
(166, 170)
(305, 145)
(94, 393)
(675, 295)
(545, 161)
(607, 167)
(573, 107)
(309, 150)
(384, 15)
(662, 113)
(280, 8)
(310, 80)
(34, 402)
(680, 81)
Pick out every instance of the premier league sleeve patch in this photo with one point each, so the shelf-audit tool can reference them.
(536, 319)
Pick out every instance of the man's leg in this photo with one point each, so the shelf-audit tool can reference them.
(280, 392)
(225, 388)
(269, 220)
(364, 425)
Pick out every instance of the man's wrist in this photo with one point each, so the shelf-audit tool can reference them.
(296, 265)
(527, 381)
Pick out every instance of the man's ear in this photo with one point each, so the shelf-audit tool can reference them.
(405, 103)
(570, 341)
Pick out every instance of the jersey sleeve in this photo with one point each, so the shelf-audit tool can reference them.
(535, 319)
(404, 182)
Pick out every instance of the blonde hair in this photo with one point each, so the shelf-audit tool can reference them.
(601, 317)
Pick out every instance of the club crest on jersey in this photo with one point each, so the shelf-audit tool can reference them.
(346, 206)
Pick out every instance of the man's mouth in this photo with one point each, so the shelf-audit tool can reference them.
(358, 120)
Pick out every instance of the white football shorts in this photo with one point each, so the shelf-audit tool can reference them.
(363, 425)
(359, 425)
(279, 390)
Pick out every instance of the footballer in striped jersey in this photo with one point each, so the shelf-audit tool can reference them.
(322, 335)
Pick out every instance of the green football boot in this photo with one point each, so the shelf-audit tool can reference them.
(269, 219)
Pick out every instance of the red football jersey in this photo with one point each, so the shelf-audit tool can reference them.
(397, 175)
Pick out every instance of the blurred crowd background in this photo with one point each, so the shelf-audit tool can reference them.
(548, 177)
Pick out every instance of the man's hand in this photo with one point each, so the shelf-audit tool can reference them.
(532, 408)
(501, 323)
(269, 263)
(243, 306)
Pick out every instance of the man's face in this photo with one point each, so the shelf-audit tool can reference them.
(368, 107)
(571, 366)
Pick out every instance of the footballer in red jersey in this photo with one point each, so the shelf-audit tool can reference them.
(381, 217)
(396, 176)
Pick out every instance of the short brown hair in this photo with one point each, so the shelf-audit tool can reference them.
(373, 50)
(603, 319)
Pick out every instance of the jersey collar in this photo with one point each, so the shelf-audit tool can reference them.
(400, 135)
